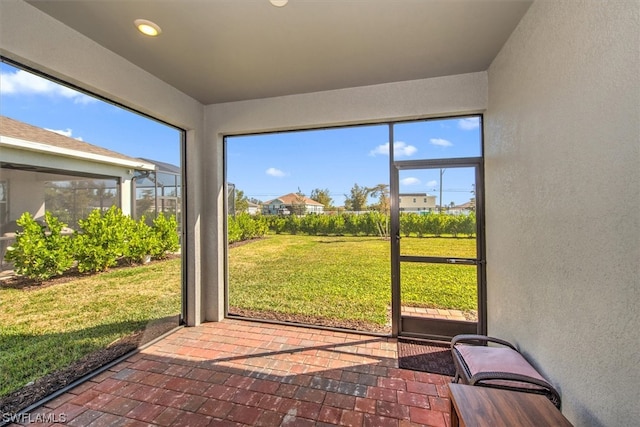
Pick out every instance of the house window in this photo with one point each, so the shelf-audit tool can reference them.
(414, 200)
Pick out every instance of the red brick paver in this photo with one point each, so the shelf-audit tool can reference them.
(247, 373)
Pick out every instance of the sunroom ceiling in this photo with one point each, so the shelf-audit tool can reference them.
(231, 50)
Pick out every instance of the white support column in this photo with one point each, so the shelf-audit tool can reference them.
(125, 194)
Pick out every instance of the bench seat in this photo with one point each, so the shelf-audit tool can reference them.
(499, 366)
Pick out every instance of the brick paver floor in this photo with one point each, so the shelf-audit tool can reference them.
(239, 372)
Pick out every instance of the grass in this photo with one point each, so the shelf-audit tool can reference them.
(45, 329)
(346, 278)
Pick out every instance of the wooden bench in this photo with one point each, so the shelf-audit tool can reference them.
(501, 367)
(490, 407)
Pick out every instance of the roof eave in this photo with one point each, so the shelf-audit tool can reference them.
(22, 144)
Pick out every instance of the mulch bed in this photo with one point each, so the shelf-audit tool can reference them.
(426, 357)
(244, 242)
(24, 283)
(354, 325)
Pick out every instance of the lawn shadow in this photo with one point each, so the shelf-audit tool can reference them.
(83, 341)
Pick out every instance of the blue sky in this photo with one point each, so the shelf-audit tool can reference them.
(39, 102)
(268, 166)
(263, 166)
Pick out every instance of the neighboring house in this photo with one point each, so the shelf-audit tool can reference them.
(292, 203)
(32, 159)
(417, 202)
(253, 208)
(464, 208)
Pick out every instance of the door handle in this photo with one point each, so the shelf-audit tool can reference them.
(462, 261)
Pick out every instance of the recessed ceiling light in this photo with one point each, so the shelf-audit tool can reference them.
(279, 3)
(147, 27)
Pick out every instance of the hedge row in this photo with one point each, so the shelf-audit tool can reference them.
(245, 226)
(437, 224)
(43, 251)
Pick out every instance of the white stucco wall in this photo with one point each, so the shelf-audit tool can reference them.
(562, 169)
(33, 38)
(442, 96)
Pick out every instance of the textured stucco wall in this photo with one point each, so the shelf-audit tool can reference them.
(563, 202)
(33, 38)
(440, 96)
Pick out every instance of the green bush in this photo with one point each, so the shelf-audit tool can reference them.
(166, 239)
(373, 223)
(101, 240)
(141, 241)
(40, 252)
(234, 233)
(245, 226)
(468, 224)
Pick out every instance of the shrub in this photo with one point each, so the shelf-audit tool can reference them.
(292, 224)
(468, 224)
(141, 241)
(277, 224)
(245, 226)
(234, 233)
(101, 240)
(166, 239)
(40, 252)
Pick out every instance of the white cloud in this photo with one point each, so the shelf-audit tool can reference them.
(275, 172)
(441, 142)
(400, 149)
(68, 133)
(432, 183)
(469, 123)
(410, 181)
(24, 83)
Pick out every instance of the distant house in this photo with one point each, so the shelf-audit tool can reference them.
(253, 208)
(292, 203)
(417, 202)
(464, 208)
(35, 161)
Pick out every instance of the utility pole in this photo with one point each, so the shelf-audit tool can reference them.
(442, 171)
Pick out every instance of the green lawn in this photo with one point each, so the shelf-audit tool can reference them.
(346, 278)
(45, 329)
